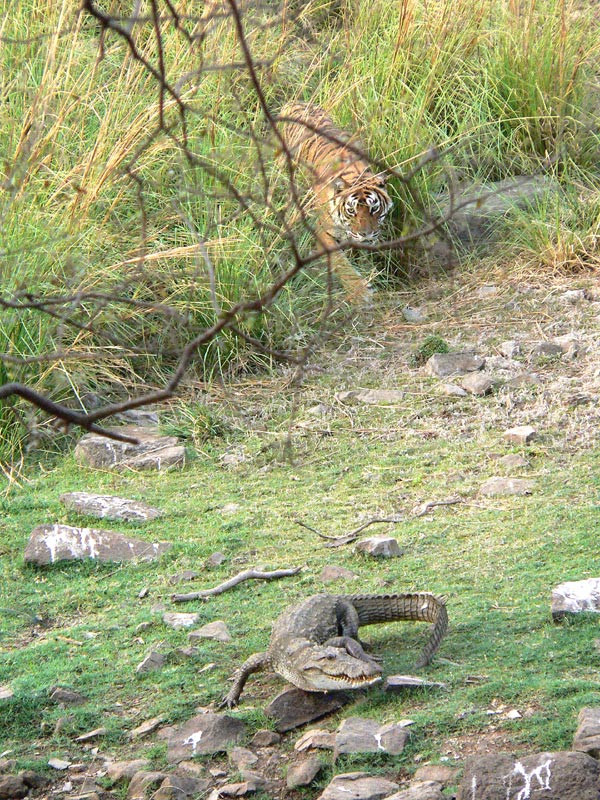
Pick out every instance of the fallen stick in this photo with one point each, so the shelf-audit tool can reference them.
(338, 541)
(425, 508)
(249, 574)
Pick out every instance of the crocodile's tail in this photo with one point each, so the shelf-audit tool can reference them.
(421, 606)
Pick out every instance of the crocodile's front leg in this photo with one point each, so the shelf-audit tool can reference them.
(255, 663)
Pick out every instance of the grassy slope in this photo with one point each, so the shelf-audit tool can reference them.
(496, 559)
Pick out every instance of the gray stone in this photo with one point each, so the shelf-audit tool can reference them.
(202, 734)
(265, 738)
(12, 786)
(67, 697)
(452, 390)
(125, 770)
(412, 314)
(522, 379)
(358, 786)
(177, 787)
(242, 757)
(33, 779)
(372, 397)
(213, 630)
(331, 573)
(317, 739)
(151, 662)
(477, 384)
(215, 560)
(358, 735)
(574, 597)
(499, 487)
(303, 772)
(379, 547)
(587, 735)
(549, 776)
(186, 575)
(152, 453)
(510, 349)
(440, 773)
(140, 417)
(106, 506)
(50, 543)
(522, 434)
(187, 652)
(58, 763)
(422, 790)
(91, 735)
(294, 707)
(146, 728)
(179, 619)
(573, 296)
(441, 365)
(547, 349)
(396, 683)
(143, 784)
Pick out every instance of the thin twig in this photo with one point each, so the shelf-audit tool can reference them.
(249, 574)
(338, 541)
(421, 510)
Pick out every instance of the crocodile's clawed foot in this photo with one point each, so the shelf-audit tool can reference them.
(228, 702)
(354, 648)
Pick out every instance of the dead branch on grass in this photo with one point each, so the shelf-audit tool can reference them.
(339, 541)
(247, 575)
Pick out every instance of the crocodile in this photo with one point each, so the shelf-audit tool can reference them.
(315, 645)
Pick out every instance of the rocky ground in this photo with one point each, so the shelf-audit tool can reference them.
(517, 362)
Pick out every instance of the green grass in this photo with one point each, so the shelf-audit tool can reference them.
(76, 624)
(498, 90)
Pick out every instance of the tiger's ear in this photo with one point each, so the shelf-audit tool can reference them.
(338, 185)
(381, 179)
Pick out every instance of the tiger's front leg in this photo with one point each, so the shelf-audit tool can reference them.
(358, 291)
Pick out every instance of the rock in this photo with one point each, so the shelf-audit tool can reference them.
(551, 776)
(12, 786)
(141, 417)
(513, 714)
(178, 787)
(187, 652)
(440, 773)
(91, 735)
(332, 573)
(294, 707)
(303, 772)
(379, 547)
(254, 780)
(423, 790)
(125, 770)
(67, 697)
(33, 779)
(510, 349)
(265, 738)
(152, 453)
(6, 693)
(372, 397)
(358, 786)
(186, 575)
(573, 597)
(452, 390)
(573, 296)
(358, 735)
(106, 506)
(522, 434)
(412, 314)
(147, 727)
(587, 735)
(232, 790)
(213, 630)
(50, 543)
(204, 733)
(477, 384)
(143, 784)
(214, 560)
(58, 763)
(395, 683)
(242, 757)
(152, 661)
(522, 379)
(441, 365)
(513, 461)
(178, 619)
(547, 350)
(317, 739)
(498, 487)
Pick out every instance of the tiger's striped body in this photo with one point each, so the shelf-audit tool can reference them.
(351, 199)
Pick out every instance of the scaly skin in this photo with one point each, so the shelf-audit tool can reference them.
(315, 645)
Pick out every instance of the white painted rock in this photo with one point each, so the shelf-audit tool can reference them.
(201, 735)
(50, 543)
(359, 735)
(106, 506)
(573, 597)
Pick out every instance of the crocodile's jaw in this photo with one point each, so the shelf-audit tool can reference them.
(318, 668)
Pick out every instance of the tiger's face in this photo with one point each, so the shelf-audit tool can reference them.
(359, 212)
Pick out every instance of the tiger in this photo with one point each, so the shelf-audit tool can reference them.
(351, 200)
